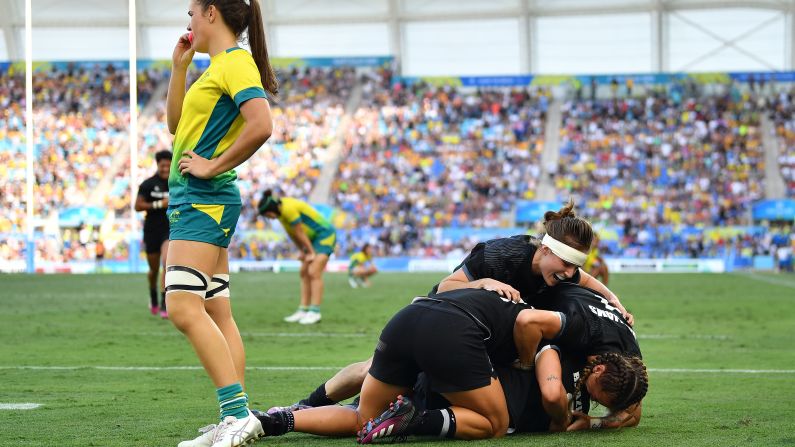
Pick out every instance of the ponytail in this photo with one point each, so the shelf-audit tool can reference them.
(259, 50)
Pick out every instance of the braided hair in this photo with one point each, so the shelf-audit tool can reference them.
(625, 379)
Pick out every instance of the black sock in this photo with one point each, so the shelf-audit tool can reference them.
(276, 423)
(318, 398)
(439, 423)
(163, 300)
(153, 297)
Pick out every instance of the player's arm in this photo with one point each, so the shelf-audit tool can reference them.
(530, 328)
(459, 280)
(180, 61)
(141, 204)
(553, 393)
(301, 240)
(586, 280)
(259, 125)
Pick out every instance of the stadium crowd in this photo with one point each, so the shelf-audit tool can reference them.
(413, 158)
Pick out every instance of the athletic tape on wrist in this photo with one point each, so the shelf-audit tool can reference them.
(596, 422)
(563, 251)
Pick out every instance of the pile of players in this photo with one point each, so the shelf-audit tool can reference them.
(517, 339)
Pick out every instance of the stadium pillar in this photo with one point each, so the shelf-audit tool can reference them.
(790, 34)
(30, 255)
(395, 31)
(134, 254)
(30, 246)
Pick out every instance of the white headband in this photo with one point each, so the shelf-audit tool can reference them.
(563, 251)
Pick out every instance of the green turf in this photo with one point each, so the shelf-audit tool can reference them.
(690, 322)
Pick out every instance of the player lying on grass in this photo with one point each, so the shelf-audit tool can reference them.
(455, 338)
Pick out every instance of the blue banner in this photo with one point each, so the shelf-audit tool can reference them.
(77, 216)
(783, 209)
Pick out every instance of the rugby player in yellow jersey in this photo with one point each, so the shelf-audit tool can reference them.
(361, 267)
(315, 237)
(595, 265)
(218, 124)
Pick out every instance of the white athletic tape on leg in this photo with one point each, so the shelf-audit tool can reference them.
(180, 278)
(563, 251)
(219, 286)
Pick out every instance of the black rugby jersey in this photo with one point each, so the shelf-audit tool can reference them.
(152, 189)
(508, 260)
(523, 394)
(592, 325)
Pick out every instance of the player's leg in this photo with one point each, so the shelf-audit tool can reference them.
(480, 413)
(303, 305)
(189, 273)
(315, 271)
(218, 305)
(187, 279)
(153, 261)
(474, 414)
(162, 266)
(343, 385)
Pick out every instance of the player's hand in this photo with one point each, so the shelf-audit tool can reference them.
(613, 300)
(557, 426)
(196, 165)
(503, 289)
(183, 53)
(580, 421)
(308, 257)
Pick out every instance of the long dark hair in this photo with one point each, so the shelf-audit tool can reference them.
(565, 226)
(240, 16)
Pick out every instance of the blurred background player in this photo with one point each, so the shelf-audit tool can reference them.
(153, 198)
(361, 267)
(595, 265)
(315, 237)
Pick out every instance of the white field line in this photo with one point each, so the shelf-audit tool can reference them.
(683, 337)
(360, 335)
(25, 406)
(270, 334)
(337, 368)
(767, 279)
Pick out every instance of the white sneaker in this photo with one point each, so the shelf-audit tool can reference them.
(205, 439)
(234, 432)
(295, 317)
(310, 318)
(353, 283)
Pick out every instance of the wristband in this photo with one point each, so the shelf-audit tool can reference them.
(596, 422)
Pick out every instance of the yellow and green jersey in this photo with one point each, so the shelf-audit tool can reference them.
(593, 255)
(210, 123)
(359, 258)
(294, 211)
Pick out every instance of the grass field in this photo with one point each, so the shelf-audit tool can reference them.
(720, 349)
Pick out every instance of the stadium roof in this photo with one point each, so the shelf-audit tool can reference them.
(541, 36)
